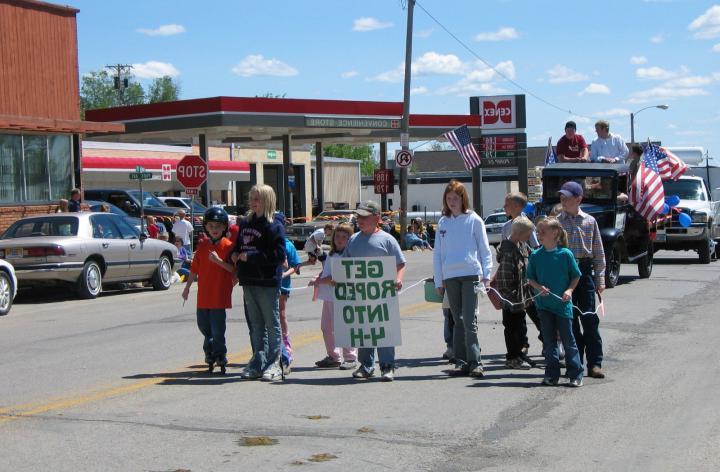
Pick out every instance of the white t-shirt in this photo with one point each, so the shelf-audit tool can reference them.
(183, 229)
(313, 245)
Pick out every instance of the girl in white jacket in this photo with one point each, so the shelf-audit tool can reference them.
(462, 258)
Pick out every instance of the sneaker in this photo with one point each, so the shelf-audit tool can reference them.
(596, 372)
(272, 373)
(448, 354)
(387, 374)
(517, 363)
(362, 373)
(348, 365)
(250, 374)
(548, 382)
(477, 372)
(459, 371)
(527, 359)
(328, 363)
(576, 383)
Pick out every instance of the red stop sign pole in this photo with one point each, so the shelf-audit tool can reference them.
(192, 172)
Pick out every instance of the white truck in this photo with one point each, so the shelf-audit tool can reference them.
(703, 234)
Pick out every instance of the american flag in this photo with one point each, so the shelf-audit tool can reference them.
(460, 139)
(669, 165)
(646, 191)
(550, 156)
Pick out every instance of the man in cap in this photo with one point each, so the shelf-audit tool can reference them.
(572, 146)
(607, 147)
(585, 243)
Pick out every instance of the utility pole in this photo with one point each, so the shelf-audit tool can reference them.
(120, 79)
(406, 122)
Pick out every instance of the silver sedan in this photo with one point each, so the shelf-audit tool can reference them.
(85, 250)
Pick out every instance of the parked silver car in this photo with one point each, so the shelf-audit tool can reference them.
(493, 227)
(85, 250)
(8, 287)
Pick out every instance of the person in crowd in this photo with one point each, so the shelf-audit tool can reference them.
(163, 235)
(343, 358)
(153, 228)
(214, 276)
(104, 208)
(292, 261)
(607, 147)
(571, 147)
(461, 260)
(259, 255)
(63, 206)
(182, 228)
(414, 241)
(585, 244)
(75, 200)
(553, 272)
(515, 203)
(634, 156)
(370, 241)
(185, 258)
(314, 243)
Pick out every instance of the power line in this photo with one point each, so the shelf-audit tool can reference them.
(473, 53)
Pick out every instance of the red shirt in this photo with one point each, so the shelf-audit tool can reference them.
(571, 148)
(214, 283)
(153, 230)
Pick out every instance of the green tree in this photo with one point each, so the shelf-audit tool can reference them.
(164, 89)
(365, 154)
(438, 146)
(97, 90)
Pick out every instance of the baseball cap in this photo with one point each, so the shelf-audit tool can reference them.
(571, 189)
(368, 208)
(571, 124)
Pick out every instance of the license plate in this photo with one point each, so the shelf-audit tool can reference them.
(661, 237)
(13, 253)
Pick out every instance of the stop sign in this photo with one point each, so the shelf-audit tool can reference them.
(192, 171)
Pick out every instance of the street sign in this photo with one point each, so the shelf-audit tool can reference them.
(403, 158)
(291, 181)
(404, 140)
(140, 175)
(166, 172)
(384, 181)
(191, 191)
(271, 154)
(192, 171)
(139, 169)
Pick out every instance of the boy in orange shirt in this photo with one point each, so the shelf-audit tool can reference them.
(215, 283)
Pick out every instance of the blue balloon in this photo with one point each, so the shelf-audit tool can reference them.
(684, 220)
(529, 209)
(672, 201)
(665, 209)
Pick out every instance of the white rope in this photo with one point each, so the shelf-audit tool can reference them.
(413, 285)
(480, 288)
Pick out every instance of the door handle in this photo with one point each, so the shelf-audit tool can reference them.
(105, 245)
(132, 245)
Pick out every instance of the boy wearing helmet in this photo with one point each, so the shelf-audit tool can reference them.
(215, 283)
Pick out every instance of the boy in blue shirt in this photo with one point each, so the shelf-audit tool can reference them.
(292, 262)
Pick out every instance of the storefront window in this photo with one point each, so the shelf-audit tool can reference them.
(35, 168)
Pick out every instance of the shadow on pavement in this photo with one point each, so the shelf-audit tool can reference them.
(59, 294)
(675, 261)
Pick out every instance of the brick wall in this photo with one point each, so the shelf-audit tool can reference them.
(10, 214)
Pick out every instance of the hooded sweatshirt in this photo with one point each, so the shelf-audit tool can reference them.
(461, 248)
(264, 244)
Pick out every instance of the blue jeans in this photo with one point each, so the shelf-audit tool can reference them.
(550, 323)
(366, 356)
(448, 326)
(588, 338)
(211, 323)
(263, 311)
(463, 301)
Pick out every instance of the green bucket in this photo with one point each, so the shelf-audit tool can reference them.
(431, 294)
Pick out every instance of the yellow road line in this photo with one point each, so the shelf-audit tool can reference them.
(31, 409)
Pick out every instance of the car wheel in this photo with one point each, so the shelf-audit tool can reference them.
(162, 277)
(645, 263)
(6, 293)
(90, 282)
(704, 252)
(612, 266)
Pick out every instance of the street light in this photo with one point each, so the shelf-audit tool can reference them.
(632, 119)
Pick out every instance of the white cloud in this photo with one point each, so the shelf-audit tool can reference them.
(716, 48)
(596, 89)
(423, 33)
(370, 24)
(707, 25)
(562, 74)
(478, 80)
(349, 74)
(613, 112)
(465, 87)
(256, 64)
(430, 63)
(657, 39)
(154, 70)
(672, 126)
(419, 91)
(662, 93)
(638, 60)
(505, 33)
(692, 81)
(658, 73)
(164, 30)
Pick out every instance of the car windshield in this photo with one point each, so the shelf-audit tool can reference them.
(494, 219)
(333, 215)
(594, 187)
(47, 226)
(149, 200)
(111, 207)
(685, 189)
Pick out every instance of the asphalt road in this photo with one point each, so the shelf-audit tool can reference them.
(117, 383)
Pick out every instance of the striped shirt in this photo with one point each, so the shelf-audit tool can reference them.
(584, 241)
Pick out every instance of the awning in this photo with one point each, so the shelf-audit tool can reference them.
(128, 164)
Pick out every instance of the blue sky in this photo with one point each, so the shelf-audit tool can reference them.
(597, 59)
